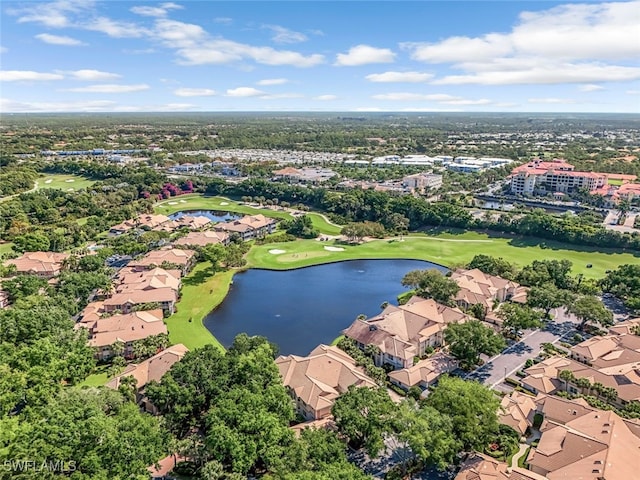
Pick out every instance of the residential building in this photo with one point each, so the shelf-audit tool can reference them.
(304, 175)
(42, 264)
(4, 299)
(517, 410)
(478, 466)
(404, 332)
(477, 287)
(629, 326)
(248, 227)
(425, 373)
(422, 182)
(148, 279)
(202, 239)
(186, 221)
(315, 381)
(126, 328)
(144, 372)
(126, 301)
(145, 221)
(185, 259)
(556, 176)
(617, 373)
(598, 445)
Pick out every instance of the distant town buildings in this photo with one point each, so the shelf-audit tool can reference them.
(422, 182)
(304, 175)
(456, 164)
(248, 227)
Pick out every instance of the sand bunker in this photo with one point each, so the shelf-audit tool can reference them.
(70, 180)
(276, 251)
(334, 249)
(183, 201)
(69, 189)
(224, 203)
(48, 181)
(173, 203)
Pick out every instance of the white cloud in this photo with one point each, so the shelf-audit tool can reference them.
(590, 87)
(3, 49)
(54, 14)
(194, 46)
(272, 81)
(284, 35)
(277, 96)
(27, 75)
(399, 77)
(110, 88)
(59, 40)
(511, 71)
(160, 11)
(244, 92)
(223, 20)
(115, 29)
(194, 92)
(551, 100)
(572, 43)
(364, 55)
(443, 98)
(88, 75)
(326, 97)
(176, 107)
(632, 92)
(7, 105)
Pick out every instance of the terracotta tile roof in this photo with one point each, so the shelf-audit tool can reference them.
(148, 280)
(171, 255)
(136, 297)
(47, 263)
(322, 376)
(425, 371)
(126, 328)
(399, 329)
(625, 327)
(517, 411)
(202, 239)
(151, 369)
(597, 445)
(482, 467)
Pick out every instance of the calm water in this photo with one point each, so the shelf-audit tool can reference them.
(213, 215)
(299, 309)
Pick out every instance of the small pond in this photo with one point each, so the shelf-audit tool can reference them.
(213, 215)
(299, 309)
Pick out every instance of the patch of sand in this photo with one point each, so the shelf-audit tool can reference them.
(48, 181)
(224, 203)
(173, 203)
(183, 201)
(69, 189)
(69, 180)
(276, 251)
(334, 249)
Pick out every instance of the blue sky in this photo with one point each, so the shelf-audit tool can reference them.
(512, 56)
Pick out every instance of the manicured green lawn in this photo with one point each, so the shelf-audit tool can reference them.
(613, 181)
(95, 380)
(201, 293)
(445, 249)
(64, 182)
(6, 247)
(200, 202)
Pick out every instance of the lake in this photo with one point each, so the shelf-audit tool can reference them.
(299, 309)
(213, 215)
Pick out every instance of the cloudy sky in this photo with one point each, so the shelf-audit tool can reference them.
(513, 56)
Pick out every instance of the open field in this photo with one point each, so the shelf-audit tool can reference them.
(200, 202)
(445, 249)
(201, 293)
(64, 182)
(95, 380)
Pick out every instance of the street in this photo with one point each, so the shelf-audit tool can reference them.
(503, 365)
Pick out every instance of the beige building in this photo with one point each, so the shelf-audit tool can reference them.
(422, 182)
(248, 227)
(482, 467)
(202, 239)
(42, 264)
(185, 259)
(477, 287)
(424, 373)
(126, 301)
(595, 446)
(130, 280)
(517, 410)
(406, 331)
(145, 221)
(128, 328)
(317, 380)
(154, 369)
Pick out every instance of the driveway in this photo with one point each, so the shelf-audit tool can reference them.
(513, 358)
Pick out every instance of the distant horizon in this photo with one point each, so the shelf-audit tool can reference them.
(571, 56)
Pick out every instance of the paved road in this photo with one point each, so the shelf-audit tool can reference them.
(514, 357)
